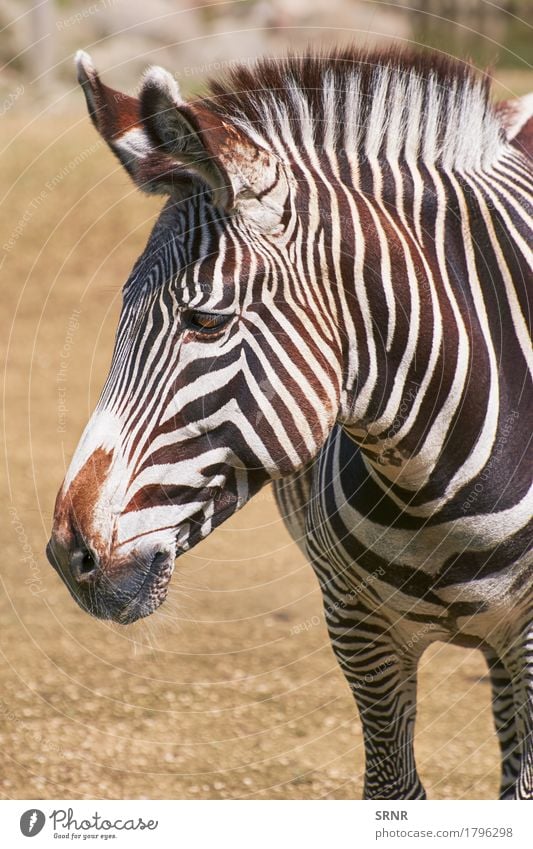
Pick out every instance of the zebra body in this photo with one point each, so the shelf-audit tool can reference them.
(334, 298)
(410, 601)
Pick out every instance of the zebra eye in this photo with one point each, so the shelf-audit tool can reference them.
(205, 322)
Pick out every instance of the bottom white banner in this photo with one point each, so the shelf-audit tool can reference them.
(265, 824)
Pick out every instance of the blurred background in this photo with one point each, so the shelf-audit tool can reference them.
(196, 38)
(231, 690)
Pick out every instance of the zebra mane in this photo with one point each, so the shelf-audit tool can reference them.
(390, 103)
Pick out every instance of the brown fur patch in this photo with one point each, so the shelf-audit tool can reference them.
(524, 139)
(509, 113)
(114, 113)
(74, 509)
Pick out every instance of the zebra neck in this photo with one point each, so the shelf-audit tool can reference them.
(430, 382)
(410, 346)
(391, 313)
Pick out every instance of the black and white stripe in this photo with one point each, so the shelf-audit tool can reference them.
(355, 234)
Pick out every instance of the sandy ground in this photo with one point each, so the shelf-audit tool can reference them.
(231, 690)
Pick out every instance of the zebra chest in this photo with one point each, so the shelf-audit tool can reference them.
(444, 573)
(422, 597)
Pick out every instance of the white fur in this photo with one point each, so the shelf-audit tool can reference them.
(457, 131)
(164, 81)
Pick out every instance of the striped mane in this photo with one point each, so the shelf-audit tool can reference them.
(392, 103)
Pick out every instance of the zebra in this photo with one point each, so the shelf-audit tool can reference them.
(333, 299)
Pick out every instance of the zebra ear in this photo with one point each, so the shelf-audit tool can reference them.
(241, 173)
(117, 118)
(516, 117)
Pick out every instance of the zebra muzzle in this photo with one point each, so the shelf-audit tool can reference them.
(123, 588)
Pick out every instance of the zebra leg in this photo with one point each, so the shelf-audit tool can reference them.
(382, 677)
(504, 712)
(519, 659)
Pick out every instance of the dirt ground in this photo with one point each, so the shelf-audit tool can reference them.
(231, 690)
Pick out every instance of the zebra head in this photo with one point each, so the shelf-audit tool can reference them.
(226, 371)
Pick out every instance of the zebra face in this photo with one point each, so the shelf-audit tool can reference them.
(214, 345)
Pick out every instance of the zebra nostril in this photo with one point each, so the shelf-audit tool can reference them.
(160, 558)
(83, 566)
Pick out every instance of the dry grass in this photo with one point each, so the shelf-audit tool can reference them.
(214, 697)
